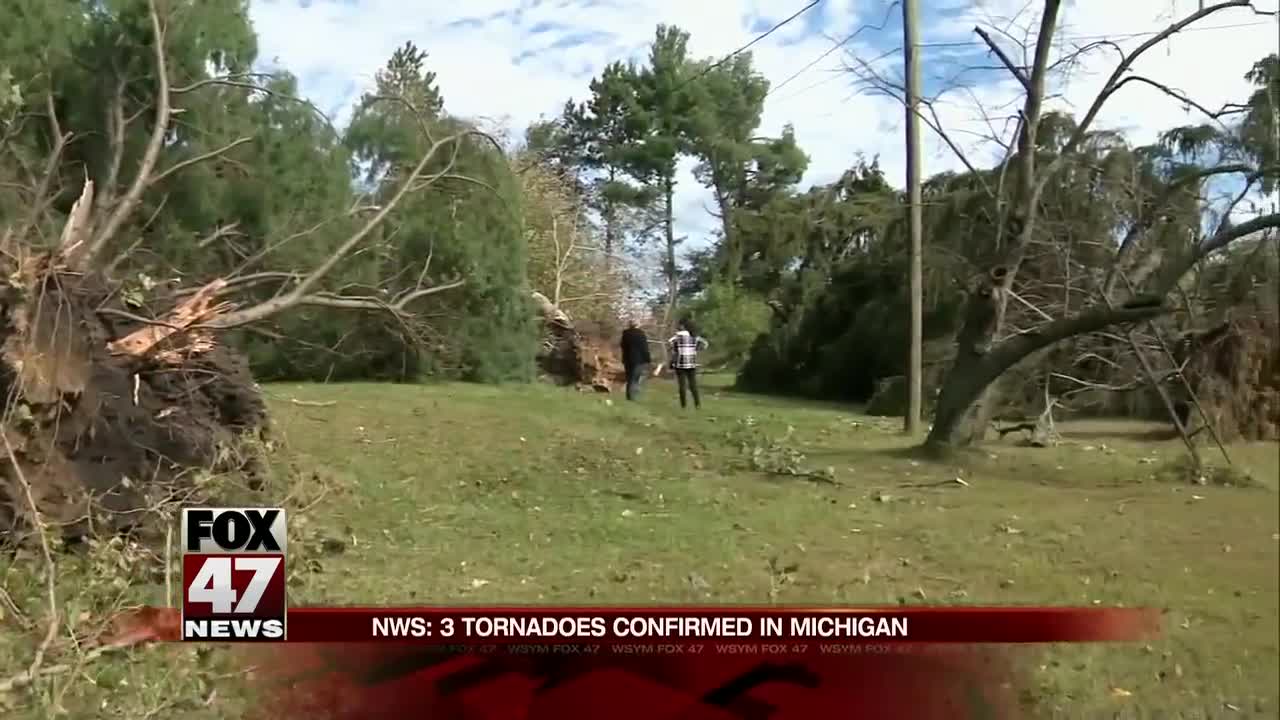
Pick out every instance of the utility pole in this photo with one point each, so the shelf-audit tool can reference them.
(911, 66)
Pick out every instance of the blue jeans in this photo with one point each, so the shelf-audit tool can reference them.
(635, 375)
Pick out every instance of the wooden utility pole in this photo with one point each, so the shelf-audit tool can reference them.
(911, 66)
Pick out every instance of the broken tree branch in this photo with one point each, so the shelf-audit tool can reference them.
(89, 250)
(303, 290)
(185, 315)
(1115, 81)
(77, 226)
(1018, 72)
(198, 159)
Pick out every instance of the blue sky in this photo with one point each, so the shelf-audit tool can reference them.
(507, 62)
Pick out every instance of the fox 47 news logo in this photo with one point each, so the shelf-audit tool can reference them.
(233, 574)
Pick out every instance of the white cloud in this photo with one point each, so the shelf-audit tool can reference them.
(512, 62)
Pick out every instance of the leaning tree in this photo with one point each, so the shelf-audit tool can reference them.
(115, 402)
(999, 328)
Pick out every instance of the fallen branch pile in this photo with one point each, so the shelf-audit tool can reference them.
(570, 357)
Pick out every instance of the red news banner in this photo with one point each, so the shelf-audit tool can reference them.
(717, 629)
(618, 662)
(234, 589)
(693, 663)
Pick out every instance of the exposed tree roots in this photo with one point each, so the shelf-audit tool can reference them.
(571, 357)
(110, 417)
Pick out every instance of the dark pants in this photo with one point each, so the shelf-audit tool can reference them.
(687, 378)
(635, 375)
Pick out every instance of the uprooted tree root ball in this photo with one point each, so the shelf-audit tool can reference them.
(1235, 369)
(108, 412)
(569, 356)
(105, 417)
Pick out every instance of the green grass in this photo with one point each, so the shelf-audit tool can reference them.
(531, 494)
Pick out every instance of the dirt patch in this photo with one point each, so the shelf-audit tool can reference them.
(101, 436)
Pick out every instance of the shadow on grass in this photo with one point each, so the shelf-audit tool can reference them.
(898, 453)
(726, 384)
(1154, 435)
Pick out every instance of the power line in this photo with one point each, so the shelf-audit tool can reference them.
(979, 43)
(744, 48)
(833, 48)
(1109, 36)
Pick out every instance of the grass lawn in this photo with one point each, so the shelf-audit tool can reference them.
(531, 494)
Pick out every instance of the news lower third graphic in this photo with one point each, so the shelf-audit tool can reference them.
(233, 574)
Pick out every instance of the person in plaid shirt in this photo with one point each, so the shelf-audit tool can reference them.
(684, 346)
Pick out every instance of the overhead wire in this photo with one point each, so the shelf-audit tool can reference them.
(978, 43)
(835, 47)
(744, 48)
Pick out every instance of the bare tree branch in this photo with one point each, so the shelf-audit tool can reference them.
(87, 251)
(1115, 81)
(1018, 72)
(1027, 192)
(303, 290)
(219, 232)
(199, 159)
(1145, 221)
(116, 125)
(43, 197)
(349, 302)
(886, 87)
(1226, 109)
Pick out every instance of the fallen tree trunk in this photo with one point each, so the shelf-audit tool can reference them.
(981, 359)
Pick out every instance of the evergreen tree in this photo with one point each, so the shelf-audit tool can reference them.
(742, 170)
(458, 229)
(664, 105)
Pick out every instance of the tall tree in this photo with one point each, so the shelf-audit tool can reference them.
(740, 168)
(471, 230)
(593, 142)
(730, 100)
(665, 103)
(1260, 129)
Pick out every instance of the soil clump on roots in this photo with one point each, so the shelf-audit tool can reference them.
(1235, 370)
(101, 420)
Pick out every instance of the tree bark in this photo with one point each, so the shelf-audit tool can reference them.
(1020, 224)
(977, 365)
(610, 212)
(732, 246)
(669, 227)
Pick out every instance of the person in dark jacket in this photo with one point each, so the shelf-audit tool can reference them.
(635, 357)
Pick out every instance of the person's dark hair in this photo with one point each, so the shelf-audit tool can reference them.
(687, 325)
